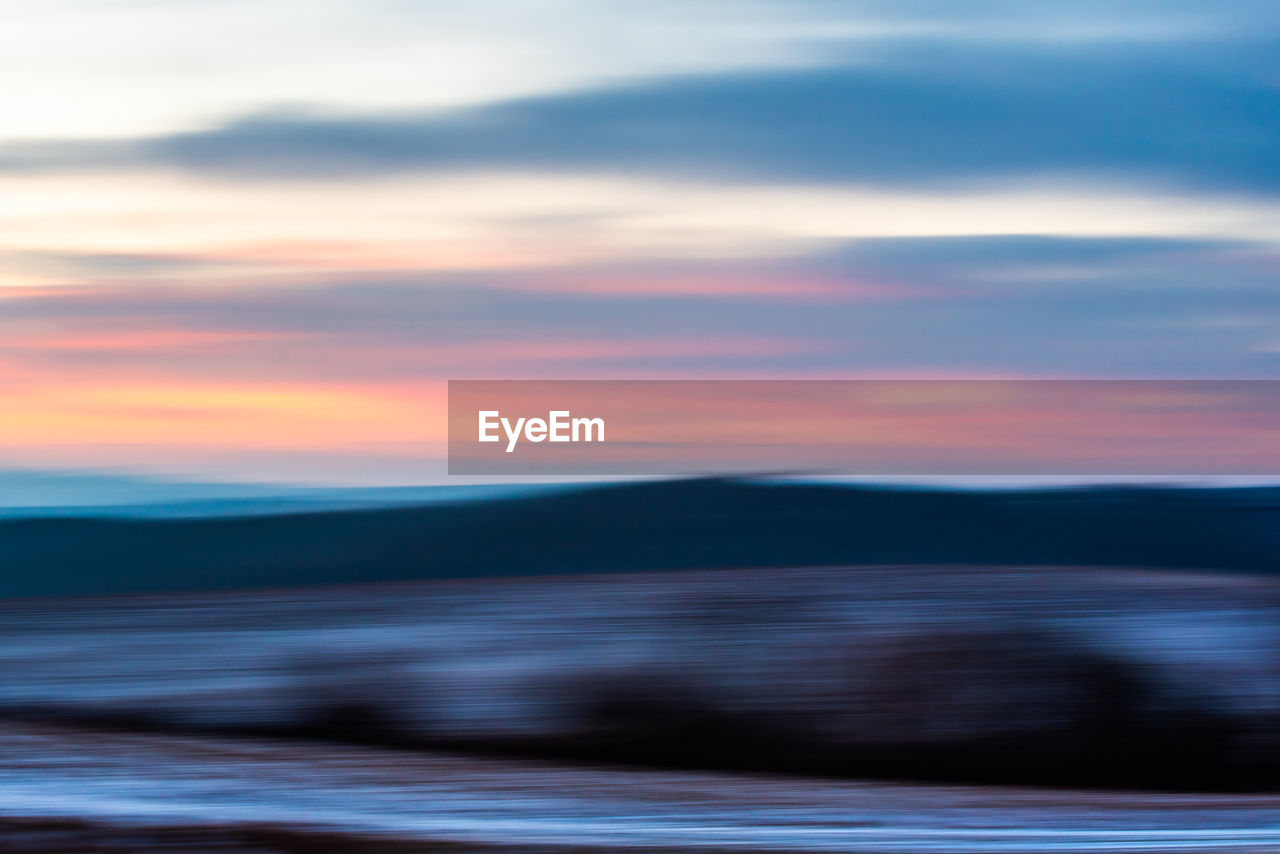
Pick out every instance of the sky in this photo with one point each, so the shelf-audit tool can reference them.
(252, 240)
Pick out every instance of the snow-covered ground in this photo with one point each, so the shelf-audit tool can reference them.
(970, 675)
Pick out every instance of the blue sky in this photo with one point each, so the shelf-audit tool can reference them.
(254, 239)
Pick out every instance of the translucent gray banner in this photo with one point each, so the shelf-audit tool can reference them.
(865, 427)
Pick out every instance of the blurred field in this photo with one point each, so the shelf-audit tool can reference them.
(726, 710)
(85, 790)
(1032, 675)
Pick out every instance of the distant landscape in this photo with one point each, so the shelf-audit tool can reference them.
(669, 525)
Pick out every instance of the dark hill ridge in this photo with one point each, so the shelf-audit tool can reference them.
(648, 526)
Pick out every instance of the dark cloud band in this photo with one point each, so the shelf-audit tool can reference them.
(1204, 115)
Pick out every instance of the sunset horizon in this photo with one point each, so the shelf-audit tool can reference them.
(254, 241)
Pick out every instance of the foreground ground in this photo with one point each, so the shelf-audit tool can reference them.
(1054, 709)
(69, 790)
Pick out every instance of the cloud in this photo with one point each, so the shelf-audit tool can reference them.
(356, 366)
(1200, 115)
(124, 69)
(940, 305)
(605, 188)
(129, 227)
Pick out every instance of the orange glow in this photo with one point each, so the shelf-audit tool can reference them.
(223, 414)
